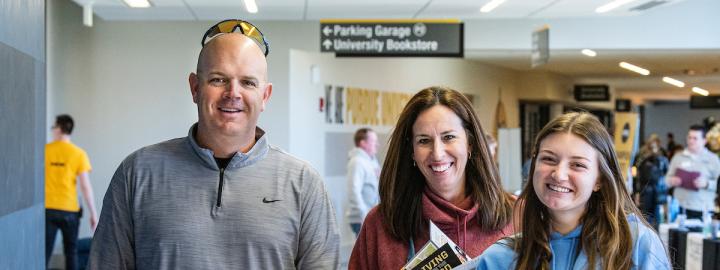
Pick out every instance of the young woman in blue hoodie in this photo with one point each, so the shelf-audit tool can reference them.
(576, 211)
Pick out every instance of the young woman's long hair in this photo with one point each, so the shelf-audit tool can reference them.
(402, 184)
(606, 236)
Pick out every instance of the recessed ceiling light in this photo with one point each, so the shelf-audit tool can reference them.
(700, 91)
(251, 6)
(634, 68)
(589, 52)
(673, 82)
(612, 5)
(491, 5)
(138, 3)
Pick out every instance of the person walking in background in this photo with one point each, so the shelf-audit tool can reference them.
(66, 166)
(363, 171)
(576, 212)
(649, 186)
(671, 145)
(694, 174)
(222, 197)
(438, 168)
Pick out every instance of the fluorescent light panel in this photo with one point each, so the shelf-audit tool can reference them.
(491, 5)
(589, 52)
(251, 6)
(700, 91)
(634, 68)
(138, 3)
(612, 5)
(673, 82)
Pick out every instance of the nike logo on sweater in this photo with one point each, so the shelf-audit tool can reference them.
(265, 200)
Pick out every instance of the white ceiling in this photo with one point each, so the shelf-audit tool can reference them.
(700, 68)
(323, 9)
(677, 63)
(696, 67)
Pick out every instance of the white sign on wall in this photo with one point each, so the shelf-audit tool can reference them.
(510, 158)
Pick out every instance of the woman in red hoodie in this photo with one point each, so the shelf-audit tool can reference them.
(438, 168)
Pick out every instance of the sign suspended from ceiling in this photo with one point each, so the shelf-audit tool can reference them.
(394, 38)
(540, 47)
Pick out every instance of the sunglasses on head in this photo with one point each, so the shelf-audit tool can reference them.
(245, 28)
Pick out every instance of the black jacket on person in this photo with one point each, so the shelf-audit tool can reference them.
(650, 179)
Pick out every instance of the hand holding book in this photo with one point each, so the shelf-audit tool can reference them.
(687, 179)
(439, 253)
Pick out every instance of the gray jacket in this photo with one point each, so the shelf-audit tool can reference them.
(708, 165)
(170, 207)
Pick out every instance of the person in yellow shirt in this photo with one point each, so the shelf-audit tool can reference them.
(65, 164)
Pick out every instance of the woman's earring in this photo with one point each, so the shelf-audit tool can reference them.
(414, 163)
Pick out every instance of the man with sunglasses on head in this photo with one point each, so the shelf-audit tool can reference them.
(222, 197)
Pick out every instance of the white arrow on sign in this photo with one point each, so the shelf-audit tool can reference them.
(327, 30)
(327, 43)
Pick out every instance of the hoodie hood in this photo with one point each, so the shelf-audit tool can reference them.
(449, 218)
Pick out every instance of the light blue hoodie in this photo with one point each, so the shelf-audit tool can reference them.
(647, 252)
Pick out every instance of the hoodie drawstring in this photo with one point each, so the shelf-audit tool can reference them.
(464, 231)
(457, 231)
(462, 237)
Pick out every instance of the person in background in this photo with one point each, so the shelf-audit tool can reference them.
(66, 166)
(671, 145)
(525, 172)
(700, 194)
(678, 148)
(222, 197)
(363, 171)
(576, 212)
(438, 168)
(492, 146)
(649, 186)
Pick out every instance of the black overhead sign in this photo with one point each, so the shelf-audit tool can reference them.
(592, 92)
(432, 38)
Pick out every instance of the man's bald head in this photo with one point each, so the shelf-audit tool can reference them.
(230, 44)
(230, 90)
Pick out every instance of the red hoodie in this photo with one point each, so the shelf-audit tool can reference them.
(376, 249)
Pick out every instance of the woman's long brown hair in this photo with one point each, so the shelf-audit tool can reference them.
(606, 236)
(402, 184)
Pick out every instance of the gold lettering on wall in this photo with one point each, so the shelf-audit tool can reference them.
(362, 106)
(392, 105)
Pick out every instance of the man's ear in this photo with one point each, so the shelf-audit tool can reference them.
(267, 92)
(194, 82)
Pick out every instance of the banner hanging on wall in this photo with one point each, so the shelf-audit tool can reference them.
(626, 140)
(397, 38)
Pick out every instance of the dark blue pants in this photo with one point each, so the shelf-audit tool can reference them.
(69, 224)
(649, 206)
